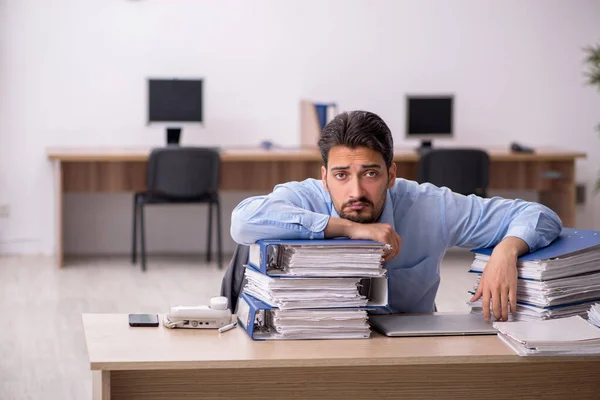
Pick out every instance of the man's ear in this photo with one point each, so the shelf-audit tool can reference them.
(324, 177)
(391, 175)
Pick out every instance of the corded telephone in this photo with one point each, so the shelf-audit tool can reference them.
(215, 315)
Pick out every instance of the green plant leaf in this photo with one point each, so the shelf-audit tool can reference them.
(593, 54)
(593, 75)
(593, 60)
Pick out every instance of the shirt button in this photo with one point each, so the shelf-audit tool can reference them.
(311, 237)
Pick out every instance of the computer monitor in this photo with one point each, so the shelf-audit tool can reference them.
(175, 101)
(429, 117)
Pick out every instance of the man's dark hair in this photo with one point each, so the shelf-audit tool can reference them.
(358, 129)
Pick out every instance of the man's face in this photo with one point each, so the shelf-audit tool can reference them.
(357, 181)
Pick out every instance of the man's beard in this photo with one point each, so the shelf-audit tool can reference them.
(357, 217)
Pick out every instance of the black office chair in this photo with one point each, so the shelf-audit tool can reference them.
(179, 175)
(234, 279)
(464, 171)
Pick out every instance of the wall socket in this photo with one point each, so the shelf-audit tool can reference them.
(4, 210)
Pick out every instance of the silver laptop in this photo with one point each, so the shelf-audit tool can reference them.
(436, 324)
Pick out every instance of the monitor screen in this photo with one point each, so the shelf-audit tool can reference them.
(174, 100)
(429, 115)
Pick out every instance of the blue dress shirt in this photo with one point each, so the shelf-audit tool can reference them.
(427, 218)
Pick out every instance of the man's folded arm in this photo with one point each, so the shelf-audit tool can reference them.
(473, 222)
(287, 213)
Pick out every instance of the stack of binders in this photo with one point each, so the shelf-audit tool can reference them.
(560, 280)
(312, 289)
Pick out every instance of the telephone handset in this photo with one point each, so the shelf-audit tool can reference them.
(215, 315)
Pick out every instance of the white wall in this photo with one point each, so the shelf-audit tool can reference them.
(72, 73)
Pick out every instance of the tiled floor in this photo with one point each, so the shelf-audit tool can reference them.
(42, 349)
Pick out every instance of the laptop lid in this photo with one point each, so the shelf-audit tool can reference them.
(436, 324)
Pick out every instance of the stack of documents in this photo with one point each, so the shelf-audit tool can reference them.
(319, 258)
(543, 270)
(264, 322)
(295, 293)
(560, 280)
(526, 312)
(561, 297)
(325, 324)
(565, 336)
(594, 314)
(312, 289)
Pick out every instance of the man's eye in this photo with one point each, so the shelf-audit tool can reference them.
(371, 174)
(340, 175)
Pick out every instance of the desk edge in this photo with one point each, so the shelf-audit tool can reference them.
(320, 363)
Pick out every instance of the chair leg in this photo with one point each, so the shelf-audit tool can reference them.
(219, 243)
(209, 234)
(134, 234)
(143, 237)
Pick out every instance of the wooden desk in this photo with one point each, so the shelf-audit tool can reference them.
(79, 170)
(158, 363)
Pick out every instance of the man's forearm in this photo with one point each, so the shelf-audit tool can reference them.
(338, 227)
(514, 246)
(268, 217)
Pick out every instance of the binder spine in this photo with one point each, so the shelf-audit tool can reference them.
(265, 256)
(248, 311)
(246, 315)
(258, 257)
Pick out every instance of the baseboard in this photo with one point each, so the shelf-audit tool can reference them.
(21, 247)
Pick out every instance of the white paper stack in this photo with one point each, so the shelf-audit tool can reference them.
(333, 260)
(560, 297)
(543, 270)
(324, 324)
(527, 312)
(313, 289)
(564, 336)
(594, 314)
(297, 293)
(549, 289)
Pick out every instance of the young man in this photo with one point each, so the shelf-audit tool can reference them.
(360, 197)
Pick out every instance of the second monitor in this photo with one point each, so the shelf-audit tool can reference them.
(175, 102)
(429, 117)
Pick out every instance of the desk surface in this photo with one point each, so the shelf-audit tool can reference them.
(113, 345)
(287, 154)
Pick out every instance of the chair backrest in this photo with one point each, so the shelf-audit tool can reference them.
(183, 172)
(464, 171)
(234, 279)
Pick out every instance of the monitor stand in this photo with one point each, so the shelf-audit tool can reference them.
(173, 136)
(425, 147)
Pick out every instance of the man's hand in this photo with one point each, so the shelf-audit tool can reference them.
(499, 279)
(378, 232)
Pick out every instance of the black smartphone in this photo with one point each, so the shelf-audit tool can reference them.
(143, 320)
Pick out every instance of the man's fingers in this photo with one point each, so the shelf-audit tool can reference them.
(394, 241)
(478, 292)
(496, 303)
(389, 254)
(485, 303)
(512, 295)
(504, 303)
